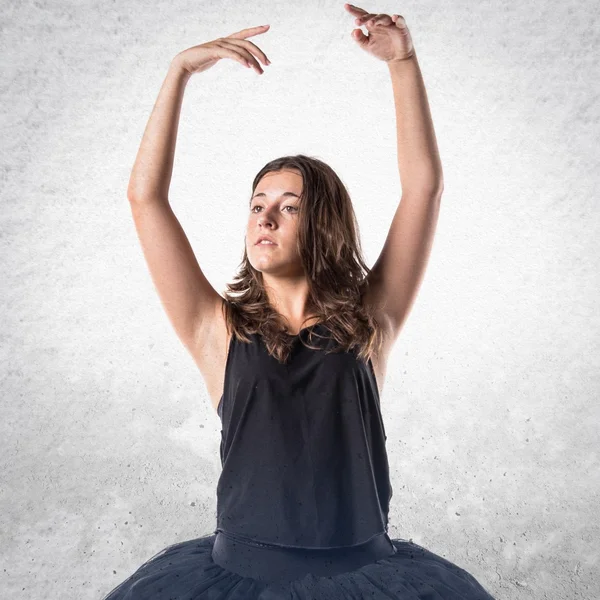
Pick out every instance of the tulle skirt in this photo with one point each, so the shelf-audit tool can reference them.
(187, 571)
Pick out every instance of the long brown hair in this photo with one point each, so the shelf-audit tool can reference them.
(329, 247)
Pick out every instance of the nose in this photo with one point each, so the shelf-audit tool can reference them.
(265, 219)
(265, 213)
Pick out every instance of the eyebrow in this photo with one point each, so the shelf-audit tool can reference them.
(284, 194)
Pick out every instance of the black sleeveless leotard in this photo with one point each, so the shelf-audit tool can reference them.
(302, 447)
(304, 493)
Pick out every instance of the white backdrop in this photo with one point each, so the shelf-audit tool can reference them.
(109, 443)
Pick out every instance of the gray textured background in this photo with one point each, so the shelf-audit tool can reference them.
(109, 443)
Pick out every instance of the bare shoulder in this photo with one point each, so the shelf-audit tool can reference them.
(209, 350)
(211, 345)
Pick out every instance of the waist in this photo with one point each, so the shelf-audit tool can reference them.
(269, 562)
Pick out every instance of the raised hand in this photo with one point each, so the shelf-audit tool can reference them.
(202, 57)
(389, 38)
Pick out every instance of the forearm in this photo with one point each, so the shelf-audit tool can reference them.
(418, 157)
(151, 174)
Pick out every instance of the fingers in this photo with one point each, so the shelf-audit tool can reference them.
(244, 48)
(354, 9)
(249, 31)
(365, 19)
(370, 19)
(232, 52)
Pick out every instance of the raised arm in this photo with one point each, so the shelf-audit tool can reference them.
(397, 274)
(186, 295)
(189, 300)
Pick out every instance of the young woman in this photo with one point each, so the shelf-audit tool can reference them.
(293, 356)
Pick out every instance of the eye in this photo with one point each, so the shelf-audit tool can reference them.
(294, 208)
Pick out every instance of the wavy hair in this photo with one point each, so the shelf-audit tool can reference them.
(329, 247)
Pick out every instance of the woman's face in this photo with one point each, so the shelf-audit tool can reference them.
(274, 212)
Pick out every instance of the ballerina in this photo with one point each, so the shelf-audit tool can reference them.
(294, 358)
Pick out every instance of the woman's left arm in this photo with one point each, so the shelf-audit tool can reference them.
(396, 276)
(418, 156)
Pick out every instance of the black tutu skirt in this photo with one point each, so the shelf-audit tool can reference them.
(187, 571)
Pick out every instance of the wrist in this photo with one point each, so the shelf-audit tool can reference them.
(411, 58)
(179, 68)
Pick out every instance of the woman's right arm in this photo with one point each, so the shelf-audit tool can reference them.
(190, 301)
(186, 295)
